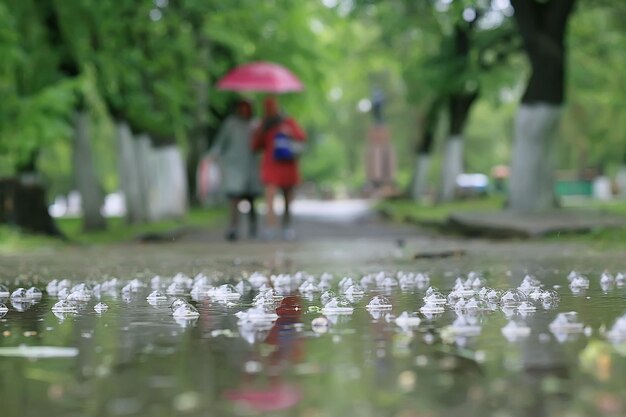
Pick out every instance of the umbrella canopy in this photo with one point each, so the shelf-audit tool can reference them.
(263, 77)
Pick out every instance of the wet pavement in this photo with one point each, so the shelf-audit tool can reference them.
(509, 224)
(348, 238)
(137, 358)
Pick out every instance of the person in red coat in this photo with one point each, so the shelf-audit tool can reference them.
(278, 172)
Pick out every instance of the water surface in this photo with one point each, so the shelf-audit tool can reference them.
(137, 360)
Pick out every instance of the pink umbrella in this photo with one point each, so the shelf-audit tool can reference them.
(263, 77)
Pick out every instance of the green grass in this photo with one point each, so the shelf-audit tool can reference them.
(604, 238)
(409, 211)
(13, 240)
(617, 207)
(601, 238)
(119, 231)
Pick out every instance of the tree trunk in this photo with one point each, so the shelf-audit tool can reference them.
(23, 201)
(198, 138)
(420, 176)
(459, 105)
(142, 147)
(452, 164)
(543, 27)
(451, 167)
(130, 175)
(163, 178)
(424, 151)
(532, 168)
(172, 185)
(92, 198)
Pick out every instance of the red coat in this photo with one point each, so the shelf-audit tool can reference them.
(280, 173)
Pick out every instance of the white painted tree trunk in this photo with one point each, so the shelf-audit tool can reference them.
(452, 167)
(154, 180)
(130, 176)
(92, 197)
(172, 181)
(531, 186)
(155, 169)
(164, 180)
(143, 149)
(620, 180)
(420, 177)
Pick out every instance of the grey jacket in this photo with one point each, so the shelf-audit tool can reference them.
(238, 163)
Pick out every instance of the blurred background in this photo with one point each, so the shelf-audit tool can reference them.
(109, 107)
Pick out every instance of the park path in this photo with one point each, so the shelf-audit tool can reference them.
(349, 234)
(343, 237)
(316, 220)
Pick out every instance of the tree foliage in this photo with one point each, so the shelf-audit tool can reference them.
(154, 64)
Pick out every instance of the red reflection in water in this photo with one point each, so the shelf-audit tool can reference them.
(289, 349)
(277, 397)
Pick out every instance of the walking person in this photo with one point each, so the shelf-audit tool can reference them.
(280, 138)
(239, 166)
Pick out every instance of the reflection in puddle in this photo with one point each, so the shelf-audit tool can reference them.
(377, 344)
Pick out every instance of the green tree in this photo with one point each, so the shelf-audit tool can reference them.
(542, 26)
(36, 110)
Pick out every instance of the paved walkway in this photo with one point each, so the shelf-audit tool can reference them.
(507, 224)
(316, 220)
(350, 234)
(341, 237)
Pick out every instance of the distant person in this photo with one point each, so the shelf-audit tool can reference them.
(280, 139)
(500, 173)
(239, 166)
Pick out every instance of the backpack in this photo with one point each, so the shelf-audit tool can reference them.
(286, 149)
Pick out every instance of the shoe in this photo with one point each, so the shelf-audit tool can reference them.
(252, 232)
(268, 234)
(231, 235)
(289, 234)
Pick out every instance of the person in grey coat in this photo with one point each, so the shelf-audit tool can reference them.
(239, 165)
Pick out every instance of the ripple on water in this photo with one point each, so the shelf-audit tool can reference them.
(521, 318)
